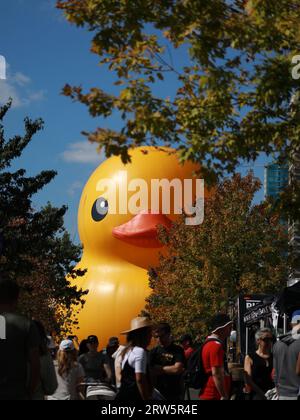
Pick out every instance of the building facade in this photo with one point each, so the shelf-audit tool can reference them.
(276, 179)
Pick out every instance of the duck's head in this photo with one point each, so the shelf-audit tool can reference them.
(115, 223)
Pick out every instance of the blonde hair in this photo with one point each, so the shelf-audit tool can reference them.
(67, 360)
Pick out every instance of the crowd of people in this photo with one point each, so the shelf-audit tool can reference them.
(33, 367)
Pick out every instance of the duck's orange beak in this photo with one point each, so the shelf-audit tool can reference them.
(142, 231)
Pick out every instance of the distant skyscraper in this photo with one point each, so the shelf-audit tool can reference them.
(276, 179)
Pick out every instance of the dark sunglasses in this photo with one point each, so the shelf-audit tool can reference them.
(267, 340)
(158, 336)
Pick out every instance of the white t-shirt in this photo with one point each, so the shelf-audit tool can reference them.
(67, 386)
(137, 359)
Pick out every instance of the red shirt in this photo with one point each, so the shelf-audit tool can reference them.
(213, 356)
(188, 352)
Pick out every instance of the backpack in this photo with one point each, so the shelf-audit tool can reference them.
(195, 375)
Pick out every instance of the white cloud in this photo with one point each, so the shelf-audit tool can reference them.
(18, 87)
(8, 90)
(20, 79)
(82, 152)
(37, 96)
(77, 185)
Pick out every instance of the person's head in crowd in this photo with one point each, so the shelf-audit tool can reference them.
(112, 345)
(73, 338)
(221, 326)
(66, 357)
(264, 340)
(83, 348)
(92, 343)
(9, 294)
(186, 341)
(162, 333)
(140, 333)
(44, 340)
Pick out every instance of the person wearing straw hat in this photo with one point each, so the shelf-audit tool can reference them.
(135, 380)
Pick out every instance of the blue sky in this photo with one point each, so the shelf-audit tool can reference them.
(44, 52)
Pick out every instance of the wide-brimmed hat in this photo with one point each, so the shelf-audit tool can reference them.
(219, 322)
(138, 323)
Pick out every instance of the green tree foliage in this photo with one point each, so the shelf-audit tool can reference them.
(232, 99)
(35, 249)
(240, 248)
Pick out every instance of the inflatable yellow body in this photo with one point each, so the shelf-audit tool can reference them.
(119, 248)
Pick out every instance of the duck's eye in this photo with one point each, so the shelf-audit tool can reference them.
(100, 209)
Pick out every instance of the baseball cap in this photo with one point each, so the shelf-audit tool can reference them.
(219, 322)
(296, 317)
(66, 345)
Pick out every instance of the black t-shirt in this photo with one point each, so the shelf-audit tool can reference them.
(170, 386)
(21, 337)
(262, 372)
(93, 365)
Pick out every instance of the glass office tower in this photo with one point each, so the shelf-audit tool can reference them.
(276, 179)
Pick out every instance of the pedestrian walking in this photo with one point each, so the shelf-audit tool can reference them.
(135, 377)
(186, 341)
(259, 366)
(286, 354)
(19, 351)
(69, 373)
(95, 364)
(48, 382)
(213, 353)
(167, 363)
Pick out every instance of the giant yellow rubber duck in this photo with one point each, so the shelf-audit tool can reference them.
(119, 247)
